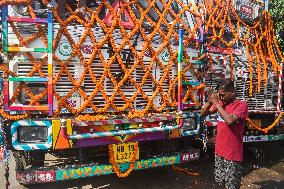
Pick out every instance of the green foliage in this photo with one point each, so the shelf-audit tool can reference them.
(277, 12)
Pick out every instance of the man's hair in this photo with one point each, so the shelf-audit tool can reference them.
(226, 85)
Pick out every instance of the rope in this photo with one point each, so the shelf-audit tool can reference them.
(4, 154)
(7, 169)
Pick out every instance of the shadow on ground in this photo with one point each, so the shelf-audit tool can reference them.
(270, 184)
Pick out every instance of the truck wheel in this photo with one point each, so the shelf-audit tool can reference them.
(20, 160)
(37, 158)
(29, 158)
(261, 153)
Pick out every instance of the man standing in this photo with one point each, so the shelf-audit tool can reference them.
(232, 114)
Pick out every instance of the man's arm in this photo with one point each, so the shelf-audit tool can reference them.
(206, 110)
(230, 119)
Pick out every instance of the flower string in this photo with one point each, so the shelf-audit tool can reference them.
(114, 165)
(265, 130)
(262, 51)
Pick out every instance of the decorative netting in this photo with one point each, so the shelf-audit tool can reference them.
(147, 34)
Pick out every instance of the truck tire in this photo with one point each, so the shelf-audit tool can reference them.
(37, 158)
(260, 153)
(24, 159)
(20, 160)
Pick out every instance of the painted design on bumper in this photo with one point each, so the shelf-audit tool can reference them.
(262, 138)
(36, 177)
(58, 140)
(33, 176)
(107, 169)
(104, 132)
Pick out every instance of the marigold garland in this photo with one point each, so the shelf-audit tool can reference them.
(185, 171)
(114, 165)
(14, 2)
(88, 117)
(265, 130)
(219, 15)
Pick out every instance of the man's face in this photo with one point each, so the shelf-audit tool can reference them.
(226, 96)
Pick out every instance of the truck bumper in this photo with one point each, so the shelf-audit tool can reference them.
(56, 174)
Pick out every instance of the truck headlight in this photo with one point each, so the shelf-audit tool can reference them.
(32, 134)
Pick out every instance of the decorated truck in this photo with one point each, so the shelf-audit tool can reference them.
(98, 96)
(245, 49)
(120, 88)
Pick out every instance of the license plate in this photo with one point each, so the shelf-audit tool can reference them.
(124, 152)
(256, 122)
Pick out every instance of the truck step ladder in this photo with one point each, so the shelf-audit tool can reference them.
(48, 50)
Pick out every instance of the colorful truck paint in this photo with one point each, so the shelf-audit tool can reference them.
(135, 72)
(31, 146)
(59, 130)
(33, 176)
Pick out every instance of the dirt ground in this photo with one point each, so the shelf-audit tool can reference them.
(263, 168)
(266, 172)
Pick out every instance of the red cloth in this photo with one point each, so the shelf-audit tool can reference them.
(229, 139)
